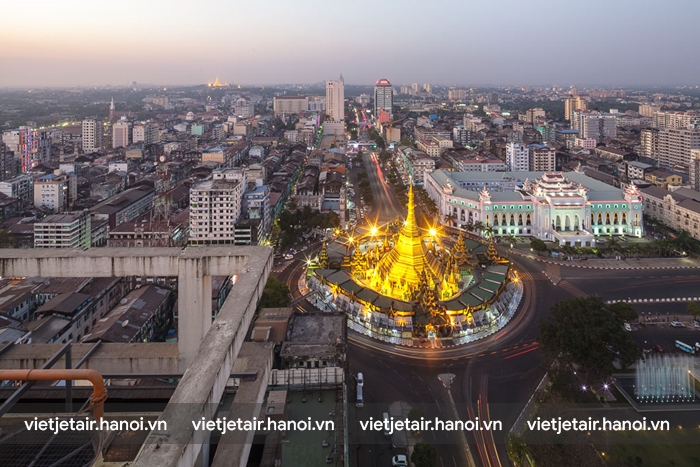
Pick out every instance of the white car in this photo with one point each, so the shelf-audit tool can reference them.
(677, 324)
(399, 460)
(288, 257)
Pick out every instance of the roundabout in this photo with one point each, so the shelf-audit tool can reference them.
(414, 287)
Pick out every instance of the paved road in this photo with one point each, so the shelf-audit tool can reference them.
(385, 206)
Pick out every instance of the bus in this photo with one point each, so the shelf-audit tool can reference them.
(360, 401)
(685, 347)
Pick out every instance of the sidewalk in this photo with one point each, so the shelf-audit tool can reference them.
(629, 263)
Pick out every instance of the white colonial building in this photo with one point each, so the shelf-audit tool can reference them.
(571, 208)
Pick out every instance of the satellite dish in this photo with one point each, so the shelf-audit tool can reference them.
(125, 323)
(163, 158)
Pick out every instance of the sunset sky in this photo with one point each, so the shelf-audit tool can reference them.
(624, 42)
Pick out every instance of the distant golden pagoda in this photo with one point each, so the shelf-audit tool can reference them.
(218, 84)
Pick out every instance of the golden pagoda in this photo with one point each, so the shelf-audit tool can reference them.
(396, 271)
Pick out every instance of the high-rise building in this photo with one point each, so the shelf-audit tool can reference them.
(55, 192)
(695, 169)
(461, 135)
(147, 133)
(532, 115)
(517, 157)
(121, 133)
(415, 88)
(675, 119)
(383, 97)
(542, 158)
(284, 105)
(649, 139)
(335, 99)
(591, 124)
(65, 230)
(29, 145)
(92, 135)
(648, 110)
(675, 146)
(427, 88)
(9, 166)
(572, 104)
(244, 108)
(215, 207)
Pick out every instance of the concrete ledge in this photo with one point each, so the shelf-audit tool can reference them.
(199, 393)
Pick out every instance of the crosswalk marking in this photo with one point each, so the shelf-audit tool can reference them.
(572, 289)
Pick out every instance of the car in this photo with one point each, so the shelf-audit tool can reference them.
(304, 248)
(677, 324)
(696, 324)
(627, 327)
(288, 257)
(399, 460)
(658, 349)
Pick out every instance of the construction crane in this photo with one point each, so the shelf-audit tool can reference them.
(391, 128)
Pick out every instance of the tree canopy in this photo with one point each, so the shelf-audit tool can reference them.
(424, 455)
(588, 334)
(275, 294)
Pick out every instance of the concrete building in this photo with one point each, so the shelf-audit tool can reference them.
(285, 105)
(92, 132)
(648, 110)
(256, 205)
(533, 115)
(695, 169)
(335, 99)
(30, 146)
(383, 97)
(679, 209)
(56, 192)
(542, 158)
(121, 133)
(517, 157)
(215, 207)
(126, 206)
(141, 316)
(573, 104)
(595, 125)
(638, 170)
(66, 230)
(674, 146)
(570, 208)
(649, 142)
(663, 179)
(20, 187)
(147, 133)
(585, 143)
(243, 108)
(675, 119)
(316, 340)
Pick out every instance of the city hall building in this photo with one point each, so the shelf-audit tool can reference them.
(568, 208)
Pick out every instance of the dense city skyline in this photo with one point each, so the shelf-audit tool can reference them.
(66, 45)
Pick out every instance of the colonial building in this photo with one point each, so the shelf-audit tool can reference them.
(571, 208)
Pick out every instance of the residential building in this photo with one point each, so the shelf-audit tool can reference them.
(121, 133)
(569, 208)
(675, 146)
(383, 97)
(147, 133)
(679, 209)
(215, 208)
(461, 135)
(533, 115)
(56, 192)
(285, 105)
(256, 205)
(126, 206)
(663, 179)
(9, 164)
(243, 108)
(92, 132)
(335, 99)
(638, 170)
(585, 143)
(30, 146)
(20, 187)
(675, 119)
(573, 104)
(542, 158)
(649, 142)
(65, 230)
(592, 124)
(695, 169)
(517, 157)
(648, 110)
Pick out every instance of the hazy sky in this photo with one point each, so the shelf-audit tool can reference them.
(70, 42)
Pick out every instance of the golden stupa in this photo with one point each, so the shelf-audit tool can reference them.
(410, 265)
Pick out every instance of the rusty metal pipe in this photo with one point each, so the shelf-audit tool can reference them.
(99, 393)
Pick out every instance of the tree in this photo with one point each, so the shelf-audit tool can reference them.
(693, 309)
(7, 240)
(424, 455)
(589, 335)
(275, 294)
(538, 245)
(516, 449)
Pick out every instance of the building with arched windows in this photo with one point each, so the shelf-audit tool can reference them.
(568, 208)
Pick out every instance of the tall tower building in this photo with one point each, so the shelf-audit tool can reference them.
(112, 111)
(383, 97)
(92, 135)
(573, 104)
(335, 99)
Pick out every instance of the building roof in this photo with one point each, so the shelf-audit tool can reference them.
(123, 200)
(64, 218)
(65, 304)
